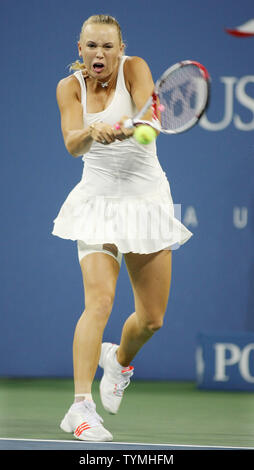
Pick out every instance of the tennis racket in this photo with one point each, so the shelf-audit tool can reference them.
(178, 101)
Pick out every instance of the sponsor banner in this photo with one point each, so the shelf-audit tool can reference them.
(235, 108)
(225, 361)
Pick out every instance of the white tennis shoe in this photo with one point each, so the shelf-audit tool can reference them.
(115, 378)
(85, 424)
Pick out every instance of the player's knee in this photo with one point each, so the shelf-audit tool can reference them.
(104, 303)
(101, 306)
(153, 325)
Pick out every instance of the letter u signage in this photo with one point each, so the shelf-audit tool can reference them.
(225, 361)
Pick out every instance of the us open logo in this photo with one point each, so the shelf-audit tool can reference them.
(238, 93)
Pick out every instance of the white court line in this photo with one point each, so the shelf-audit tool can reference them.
(125, 443)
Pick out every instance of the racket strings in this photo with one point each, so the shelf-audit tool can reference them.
(183, 94)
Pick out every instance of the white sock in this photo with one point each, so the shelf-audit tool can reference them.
(82, 396)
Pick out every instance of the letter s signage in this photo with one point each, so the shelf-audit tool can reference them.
(235, 89)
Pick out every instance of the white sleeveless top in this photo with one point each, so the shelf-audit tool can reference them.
(123, 196)
(121, 168)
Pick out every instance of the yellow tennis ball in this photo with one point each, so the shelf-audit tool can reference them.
(144, 134)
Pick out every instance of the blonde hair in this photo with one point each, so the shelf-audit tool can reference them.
(96, 19)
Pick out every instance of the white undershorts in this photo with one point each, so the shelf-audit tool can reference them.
(112, 250)
(84, 249)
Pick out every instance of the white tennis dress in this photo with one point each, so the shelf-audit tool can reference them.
(123, 197)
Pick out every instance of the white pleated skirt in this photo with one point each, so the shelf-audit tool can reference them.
(139, 224)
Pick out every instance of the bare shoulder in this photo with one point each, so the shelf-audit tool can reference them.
(136, 65)
(136, 68)
(67, 88)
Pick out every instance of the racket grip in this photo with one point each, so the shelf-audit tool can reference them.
(128, 124)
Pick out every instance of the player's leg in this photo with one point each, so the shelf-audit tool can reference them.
(150, 276)
(100, 272)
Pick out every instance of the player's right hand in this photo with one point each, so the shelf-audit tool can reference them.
(102, 133)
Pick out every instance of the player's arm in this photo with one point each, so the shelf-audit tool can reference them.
(139, 82)
(77, 139)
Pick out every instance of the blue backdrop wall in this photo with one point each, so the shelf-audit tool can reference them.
(210, 170)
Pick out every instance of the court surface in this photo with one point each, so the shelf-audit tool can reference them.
(153, 415)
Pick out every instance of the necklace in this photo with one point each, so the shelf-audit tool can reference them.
(104, 84)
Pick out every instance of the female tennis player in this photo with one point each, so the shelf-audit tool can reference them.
(116, 209)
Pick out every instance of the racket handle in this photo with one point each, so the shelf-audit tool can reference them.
(128, 124)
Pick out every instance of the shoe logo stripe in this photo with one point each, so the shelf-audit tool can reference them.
(127, 369)
(82, 427)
